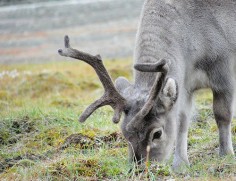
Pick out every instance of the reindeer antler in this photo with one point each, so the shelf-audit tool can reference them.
(162, 68)
(111, 96)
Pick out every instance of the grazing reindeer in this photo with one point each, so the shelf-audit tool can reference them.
(181, 46)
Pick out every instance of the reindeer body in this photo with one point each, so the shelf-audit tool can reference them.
(181, 46)
(193, 35)
(198, 38)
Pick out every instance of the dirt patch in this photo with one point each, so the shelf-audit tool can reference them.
(20, 160)
(11, 132)
(23, 126)
(86, 142)
(77, 140)
(84, 168)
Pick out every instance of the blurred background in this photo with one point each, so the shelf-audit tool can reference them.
(33, 31)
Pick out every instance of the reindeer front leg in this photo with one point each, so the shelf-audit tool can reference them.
(180, 156)
(222, 105)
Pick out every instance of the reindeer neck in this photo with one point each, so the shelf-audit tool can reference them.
(157, 38)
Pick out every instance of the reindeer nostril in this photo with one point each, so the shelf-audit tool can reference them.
(60, 51)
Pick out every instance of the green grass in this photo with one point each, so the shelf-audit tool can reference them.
(41, 139)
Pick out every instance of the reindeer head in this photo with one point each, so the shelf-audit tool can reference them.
(148, 112)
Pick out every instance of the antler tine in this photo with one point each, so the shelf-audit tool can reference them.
(111, 96)
(151, 67)
(155, 90)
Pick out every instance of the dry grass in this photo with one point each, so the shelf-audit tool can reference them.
(40, 138)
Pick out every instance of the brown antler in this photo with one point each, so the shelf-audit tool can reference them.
(111, 96)
(155, 90)
(151, 67)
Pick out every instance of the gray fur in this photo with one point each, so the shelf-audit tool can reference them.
(182, 46)
(198, 39)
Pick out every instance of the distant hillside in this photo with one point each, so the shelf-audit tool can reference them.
(15, 2)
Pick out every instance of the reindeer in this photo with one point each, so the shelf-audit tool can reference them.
(181, 46)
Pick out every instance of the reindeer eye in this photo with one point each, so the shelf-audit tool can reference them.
(157, 135)
(126, 111)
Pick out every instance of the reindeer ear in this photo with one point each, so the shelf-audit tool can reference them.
(121, 83)
(169, 94)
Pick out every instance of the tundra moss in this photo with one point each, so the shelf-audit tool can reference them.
(38, 117)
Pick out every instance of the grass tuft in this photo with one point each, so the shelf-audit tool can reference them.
(41, 139)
